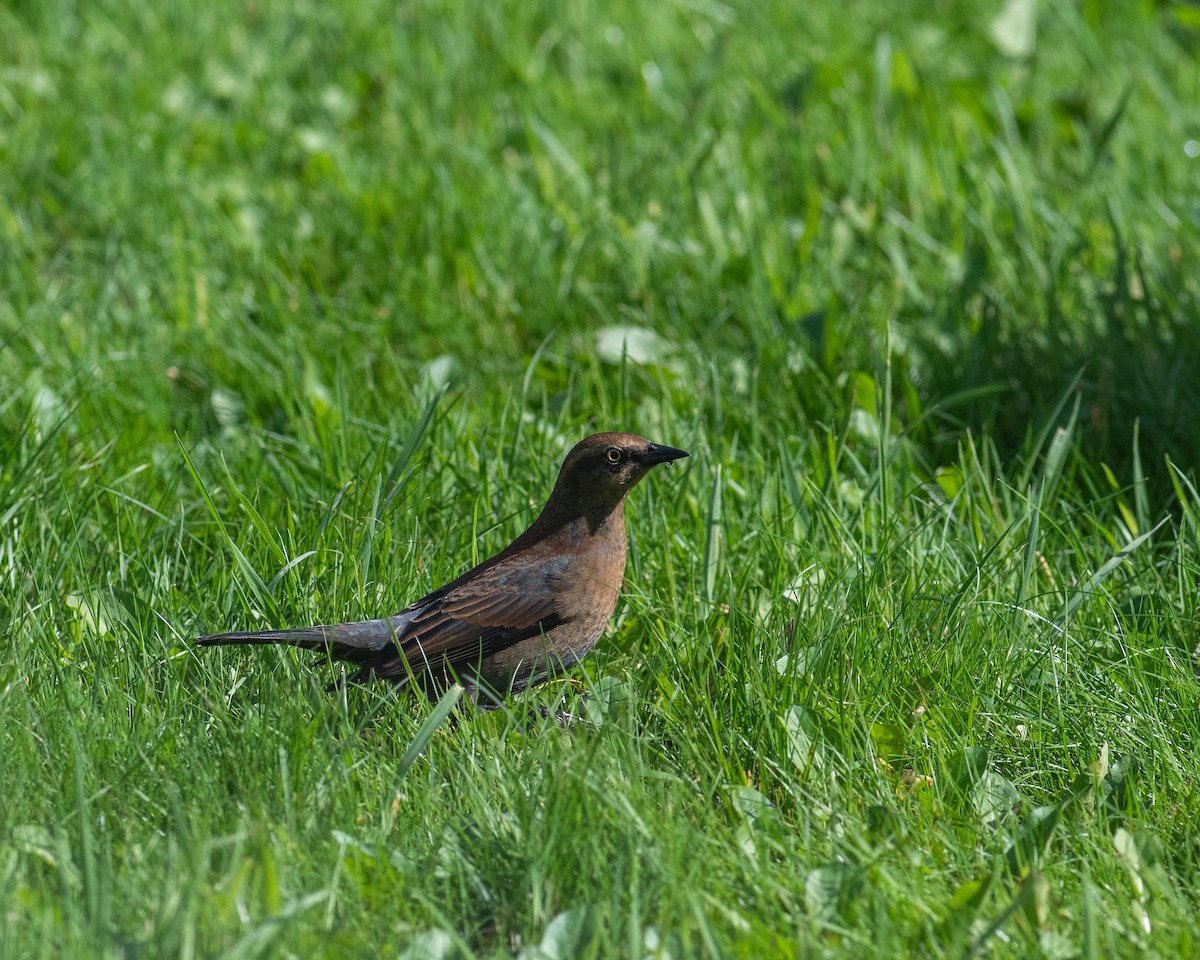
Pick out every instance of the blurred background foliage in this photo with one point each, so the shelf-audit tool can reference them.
(208, 210)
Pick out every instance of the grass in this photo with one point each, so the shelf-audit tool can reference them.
(302, 304)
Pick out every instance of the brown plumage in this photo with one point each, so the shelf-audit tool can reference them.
(531, 611)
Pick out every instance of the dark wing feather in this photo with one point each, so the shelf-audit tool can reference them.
(456, 628)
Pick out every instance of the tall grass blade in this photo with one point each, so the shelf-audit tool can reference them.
(712, 537)
(397, 478)
(262, 593)
(1103, 574)
(436, 718)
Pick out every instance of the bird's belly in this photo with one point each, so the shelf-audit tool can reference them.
(548, 654)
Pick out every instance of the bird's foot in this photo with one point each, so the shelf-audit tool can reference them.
(563, 718)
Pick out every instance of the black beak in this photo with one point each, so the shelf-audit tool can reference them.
(656, 453)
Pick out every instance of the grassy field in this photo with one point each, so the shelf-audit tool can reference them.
(301, 305)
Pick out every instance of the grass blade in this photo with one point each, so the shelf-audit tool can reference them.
(712, 537)
(435, 719)
(1103, 573)
(261, 591)
(397, 478)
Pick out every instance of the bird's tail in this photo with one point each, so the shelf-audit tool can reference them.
(353, 642)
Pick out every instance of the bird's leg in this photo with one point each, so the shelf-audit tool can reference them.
(564, 719)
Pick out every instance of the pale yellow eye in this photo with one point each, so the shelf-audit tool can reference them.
(612, 455)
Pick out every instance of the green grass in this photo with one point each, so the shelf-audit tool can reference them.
(301, 306)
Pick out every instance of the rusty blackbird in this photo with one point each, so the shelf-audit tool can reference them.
(528, 613)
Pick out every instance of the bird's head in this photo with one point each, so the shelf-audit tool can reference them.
(601, 469)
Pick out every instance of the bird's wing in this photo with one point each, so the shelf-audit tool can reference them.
(464, 623)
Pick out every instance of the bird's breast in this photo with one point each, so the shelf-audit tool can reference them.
(589, 582)
(584, 576)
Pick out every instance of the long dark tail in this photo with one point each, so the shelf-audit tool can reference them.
(352, 642)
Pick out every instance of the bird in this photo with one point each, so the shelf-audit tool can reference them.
(529, 613)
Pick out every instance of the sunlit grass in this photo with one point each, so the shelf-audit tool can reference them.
(301, 307)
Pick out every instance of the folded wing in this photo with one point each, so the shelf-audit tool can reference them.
(456, 629)
(450, 632)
